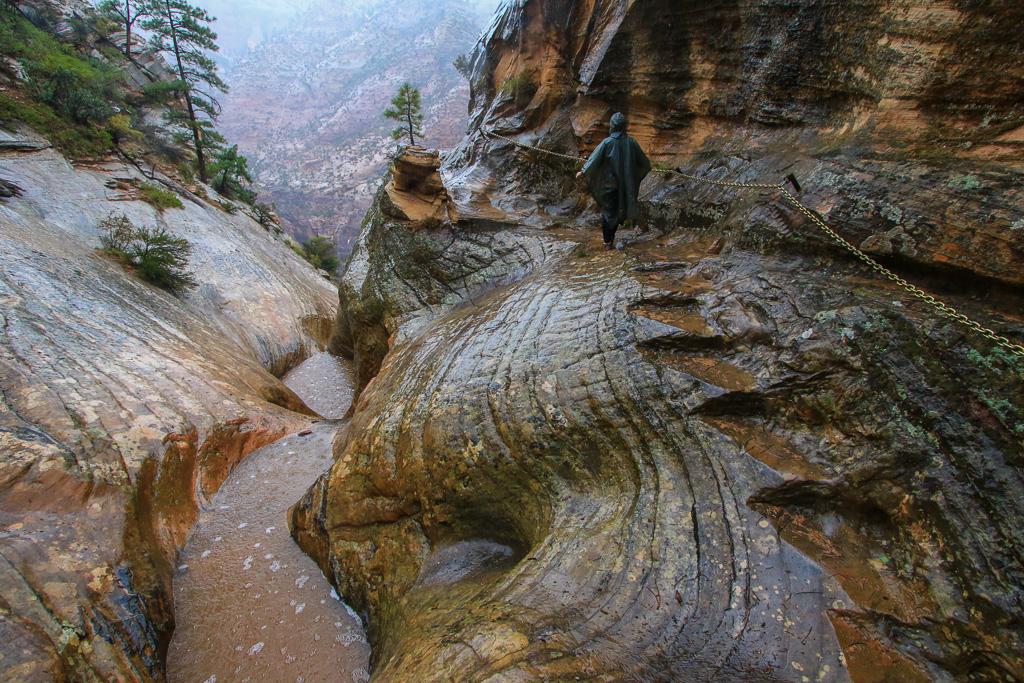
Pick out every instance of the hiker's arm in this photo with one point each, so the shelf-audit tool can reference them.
(593, 157)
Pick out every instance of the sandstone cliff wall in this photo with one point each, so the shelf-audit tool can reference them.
(727, 451)
(123, 408)
(902, 120)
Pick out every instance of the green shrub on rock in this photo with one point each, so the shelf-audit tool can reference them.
(157, 255)
(118, 231)
(266, 214)
(320, 252)
(72, 96)
(162, 258)
(159, 197)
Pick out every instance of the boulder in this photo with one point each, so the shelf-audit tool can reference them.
(416, 192)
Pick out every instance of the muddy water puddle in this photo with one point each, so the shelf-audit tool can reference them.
(249, 604)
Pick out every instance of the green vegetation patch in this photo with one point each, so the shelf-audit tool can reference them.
(77, 141)
(522, 87)
(68, 97)
(320, 252)
(157, 255)
(154, 195)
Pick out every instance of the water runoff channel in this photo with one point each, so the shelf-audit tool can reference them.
(249, 604)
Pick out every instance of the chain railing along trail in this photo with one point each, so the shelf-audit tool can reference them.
(940, 307)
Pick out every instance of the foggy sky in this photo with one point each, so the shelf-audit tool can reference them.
(244, 24)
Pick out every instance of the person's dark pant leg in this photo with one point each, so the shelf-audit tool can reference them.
(609, 212)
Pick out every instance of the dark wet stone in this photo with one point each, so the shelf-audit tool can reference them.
(727, 451)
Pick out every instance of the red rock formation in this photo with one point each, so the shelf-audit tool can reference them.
(123, 408)
(729, 451)
(901, 120)
(415, 191)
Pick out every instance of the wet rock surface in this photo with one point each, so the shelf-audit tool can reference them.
(123, 408)
(725, 451)
(249, 604)
(697, 466)
(881, 109)
(324, 383)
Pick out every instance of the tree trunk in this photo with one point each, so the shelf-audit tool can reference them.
(408, 117)
(197, 135)
(128, 29)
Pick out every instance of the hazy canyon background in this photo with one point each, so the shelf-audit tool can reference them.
(309, 81)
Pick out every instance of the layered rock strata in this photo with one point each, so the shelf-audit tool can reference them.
(416, 192)
(901, 119)
(124, 407)
(728, 451)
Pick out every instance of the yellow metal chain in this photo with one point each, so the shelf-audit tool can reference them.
(536, 149)
(941, 307)
(722, 183)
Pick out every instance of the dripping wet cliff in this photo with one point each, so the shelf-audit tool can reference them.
(124, 407)
(728, 450)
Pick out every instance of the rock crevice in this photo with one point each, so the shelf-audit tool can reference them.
(124, 407)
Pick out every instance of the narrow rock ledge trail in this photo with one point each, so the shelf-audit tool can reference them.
(249, 604)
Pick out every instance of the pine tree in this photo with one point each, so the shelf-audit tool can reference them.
(183, 31)
(405, 107)
(320, 251)
(126, 13)
(229, 169)
(463, 65)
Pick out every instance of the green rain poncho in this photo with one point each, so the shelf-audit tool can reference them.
(620, 163)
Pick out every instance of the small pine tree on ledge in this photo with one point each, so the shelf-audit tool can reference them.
(405, 107)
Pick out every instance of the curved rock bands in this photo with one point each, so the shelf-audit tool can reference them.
(122, 410)
(531, 421)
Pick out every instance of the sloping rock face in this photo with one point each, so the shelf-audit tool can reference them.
(403, 271)
(728, 451)
(123, 408)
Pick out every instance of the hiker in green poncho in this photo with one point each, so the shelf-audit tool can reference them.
(613, 174)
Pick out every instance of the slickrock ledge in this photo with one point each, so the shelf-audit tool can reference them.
(728, 451)
(671, 465)
(123, 408)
